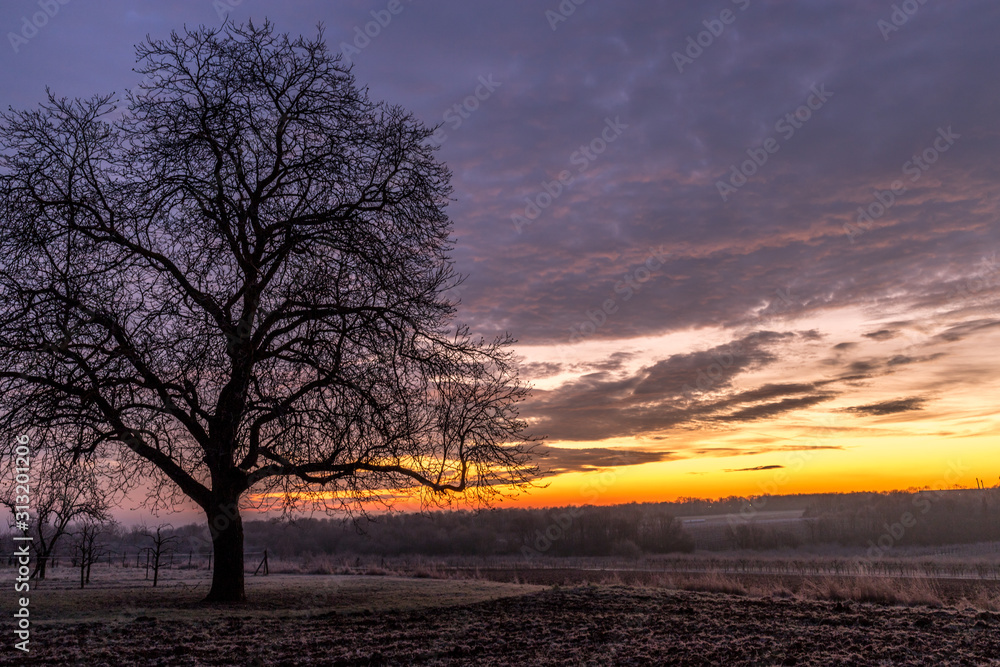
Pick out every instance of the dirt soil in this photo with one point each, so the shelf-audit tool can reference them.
(583, 625)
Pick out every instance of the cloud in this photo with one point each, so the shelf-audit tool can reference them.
(862, 367)
(903, 359)
(882, 334)
(776, 247)
(768, 410)
(540, 369)
(965, 329)
(753, 451)
(612, 363)
(559, 460)
(770, 467)
(888, 407)
(599, 405)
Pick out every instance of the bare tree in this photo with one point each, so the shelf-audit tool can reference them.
(61, 493)
(87, 547)
(236, 286)
(162, 545)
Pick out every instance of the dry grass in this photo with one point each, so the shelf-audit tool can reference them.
(332, 565)
(903, 591)
(710, 582)
(908, 592)
(781, 583)
(980, 600)
(892, 582)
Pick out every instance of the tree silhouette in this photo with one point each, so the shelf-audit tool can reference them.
(234, 286)
(60, 493)
(162, 545)
(87, 547)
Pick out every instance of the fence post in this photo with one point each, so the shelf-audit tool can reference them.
(262, 564)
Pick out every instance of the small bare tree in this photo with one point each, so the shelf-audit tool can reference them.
(61, 493)
(87, 547)
(162, 545)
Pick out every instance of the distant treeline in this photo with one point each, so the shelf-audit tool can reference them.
(885, 520)
(925, 518)
(622, 530)
(877, 521)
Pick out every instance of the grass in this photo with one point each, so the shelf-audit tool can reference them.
(909, 579)
(909, 591)
(329, 584)
(278, 595)
(902, 591)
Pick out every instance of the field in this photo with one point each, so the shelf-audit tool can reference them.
(561, 616)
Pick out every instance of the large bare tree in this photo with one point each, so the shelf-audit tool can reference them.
(234, 285)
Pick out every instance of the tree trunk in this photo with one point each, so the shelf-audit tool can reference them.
(226, 526)
(40, 564)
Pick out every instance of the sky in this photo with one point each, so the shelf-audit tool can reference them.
(745, 246)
